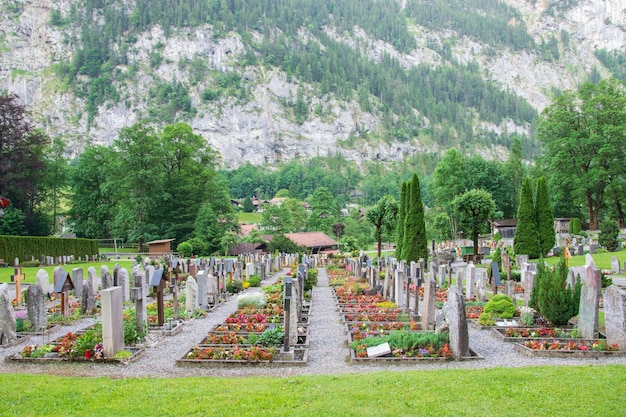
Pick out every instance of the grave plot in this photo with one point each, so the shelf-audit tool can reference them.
(560, 348)
(523, 334)
(268, 328)
(112, 341)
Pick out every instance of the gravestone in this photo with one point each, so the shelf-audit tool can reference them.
(576, 272)
(457, 324)
(429, 305)
(528, 282)
(138, 294)
(43, 280)
(379, 350)
(36, 308)
(589, 261)
(124, 282)
(77, 280)
(92, 277)
(112, 321)
(103, 269)
(580, 250)
(202, 290)
(8, 325)
(615, 265)
(495, 276)
(213, 293)
(481, 284)
(470, 277)
(443, 272)
(57, 274)
(107, 280)
(191, 291)
(588, 312)
(521, 259)
(615, 316)
(593, 248)
(88, 301)
(459, 278)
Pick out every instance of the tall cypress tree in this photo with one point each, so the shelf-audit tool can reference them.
(401, 218)
(526, 240)
(415, 245)
(545, 218)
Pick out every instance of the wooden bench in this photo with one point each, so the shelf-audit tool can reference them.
(4, 264)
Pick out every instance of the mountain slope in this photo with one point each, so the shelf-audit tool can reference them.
(267, 81)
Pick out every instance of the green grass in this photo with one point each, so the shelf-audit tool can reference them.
(119, 250)
(249, 218)
(485, 392)
(31, 273)
(602, 260)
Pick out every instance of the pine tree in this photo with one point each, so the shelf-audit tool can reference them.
(526, 240)
(545, 218)
(552, 296)
(415, 245)
(401, 218)
(497, 257)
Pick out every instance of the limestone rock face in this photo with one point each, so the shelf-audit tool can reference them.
(261, 129)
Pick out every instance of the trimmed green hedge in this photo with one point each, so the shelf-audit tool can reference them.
(23, 247)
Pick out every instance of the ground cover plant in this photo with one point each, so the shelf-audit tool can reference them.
(484, 392)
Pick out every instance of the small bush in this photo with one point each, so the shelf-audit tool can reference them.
(609, 235)
(256, 300)
(501, 306)
(311, 280)
(486, 319)
(235, 287)
(30, 264)
(254, 280)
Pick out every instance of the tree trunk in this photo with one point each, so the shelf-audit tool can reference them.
(618, 209)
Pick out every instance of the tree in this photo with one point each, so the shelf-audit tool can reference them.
(281, 243)
(12, 223)
(228, 240)
(609, 235)
(545, 220)
(526, 239)
(474, 207)
(552, 296)
(57, 178)
(415, 245)
(383, 218)
(584, 137)
(248, 207)
(449, 181)
(294, 215)
(515, 170)
(324, 211)
(22, 162)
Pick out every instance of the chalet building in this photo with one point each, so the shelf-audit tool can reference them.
(315, 242)
(158, 248)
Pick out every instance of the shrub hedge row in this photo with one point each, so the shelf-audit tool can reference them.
(23, 247)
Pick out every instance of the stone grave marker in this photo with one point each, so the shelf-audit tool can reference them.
(495, 276)
(443, 272)
(615, 265)
(521, 259)
(589, 261)
(124, 282)
(528, 282)
(588, 326)
(201, 280)
(18, 277)
(191, 291)
(615, 316)
(107, 280)
(429, 306)
(8, 325)
(481, 284)
(77, 280)
(173, 279)
(116, 275)
(593, 248)
(138, 294)
(88, 302)
(93, 278)
(213, 293)
(158, 283)
(457, 324)
(43, 280)
(62, 287)
(470, 277)
(112, 321)
(379, 350)
(36, 308)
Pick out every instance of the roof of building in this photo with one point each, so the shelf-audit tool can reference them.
(246, 229)
(155, 242)
(505, 223)
(311, 239)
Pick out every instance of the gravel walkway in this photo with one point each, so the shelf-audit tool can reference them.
(328, 349)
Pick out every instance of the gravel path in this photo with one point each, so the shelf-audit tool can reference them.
(328, 349)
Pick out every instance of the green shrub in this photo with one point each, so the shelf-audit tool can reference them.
(486, 319)
(609, 235)
(254, 300)
(574, 226)
(234, 287)
(184, 249)
(271, 336)
(131, 335)
(501, 306)
(254, 280)
(30, 264)
(311, 280)
(552, 297)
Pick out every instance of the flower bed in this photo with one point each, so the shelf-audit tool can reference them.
(555, 348)
(405, 345)
(362, 330)
(517, 334)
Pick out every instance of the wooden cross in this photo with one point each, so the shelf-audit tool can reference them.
(18, 277)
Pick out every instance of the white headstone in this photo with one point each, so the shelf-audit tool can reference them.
(379, 350)
(43, 280)
(124, 282)
(112, 320)
(615, 265)
(470, 277)
(202, 289)
(191, 292)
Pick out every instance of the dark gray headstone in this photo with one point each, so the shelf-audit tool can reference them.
(88, 302)
(77, 280)
(495, 273)
(107, 280)
(457, 323)
(588, 312)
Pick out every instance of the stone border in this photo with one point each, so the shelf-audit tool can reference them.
(46, 332)
(499, 332)
(219, 363)
(582, 354)
(18, 341)
(354, 359)
(137, 354)
(164, 332)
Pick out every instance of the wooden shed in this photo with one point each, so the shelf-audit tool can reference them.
(160, 247)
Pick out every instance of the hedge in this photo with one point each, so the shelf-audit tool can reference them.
(23, 247)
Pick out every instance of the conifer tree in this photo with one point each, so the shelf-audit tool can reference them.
(401, 218)
(545, 218)
(526, 240)
(552, 296)
(415, 245)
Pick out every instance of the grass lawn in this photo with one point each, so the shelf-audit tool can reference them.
(249, 218)
(602, 260)
(31, 273)
(536, 391)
